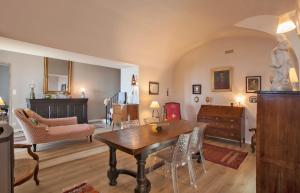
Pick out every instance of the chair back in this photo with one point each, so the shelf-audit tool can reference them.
(32, 132)
(172, 111)
(180, 152)
(196, 140)
(129, 124)
(151, 120)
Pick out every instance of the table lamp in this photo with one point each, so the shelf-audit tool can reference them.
(155, 106)
(1, 102)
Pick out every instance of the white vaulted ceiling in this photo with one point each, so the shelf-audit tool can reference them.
(145, 32)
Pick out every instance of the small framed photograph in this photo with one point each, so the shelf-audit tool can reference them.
(153, 88)
(196, 88)
(253, 84)
(253, 99)
(221, 79)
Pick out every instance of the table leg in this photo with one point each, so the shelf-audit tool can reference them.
(143, 184)
(112, 172)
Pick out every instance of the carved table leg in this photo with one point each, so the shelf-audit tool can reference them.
(143, 184)
(112, 172)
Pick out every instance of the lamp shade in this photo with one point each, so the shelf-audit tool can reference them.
(1, 102)
(154, 105)
(286, 22)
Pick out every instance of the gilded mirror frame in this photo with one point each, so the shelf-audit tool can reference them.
(46, 91)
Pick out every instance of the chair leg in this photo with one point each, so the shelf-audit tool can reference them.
(34, 147)
(91, 138)
(202, 160)
(174, 178)
(36, 173)
(192, 173)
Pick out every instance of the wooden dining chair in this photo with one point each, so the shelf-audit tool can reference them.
(129, 124)
(25, 168)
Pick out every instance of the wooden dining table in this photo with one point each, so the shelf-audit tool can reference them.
(140, 142)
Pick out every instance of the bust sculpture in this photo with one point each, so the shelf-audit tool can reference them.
(281, 64)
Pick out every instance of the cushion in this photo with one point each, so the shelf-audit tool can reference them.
(34, 121)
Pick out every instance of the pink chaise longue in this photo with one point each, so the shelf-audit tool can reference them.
(39, 130)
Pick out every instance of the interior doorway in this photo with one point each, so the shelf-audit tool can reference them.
(4, 93)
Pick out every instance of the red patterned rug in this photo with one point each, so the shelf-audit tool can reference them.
(224, 156)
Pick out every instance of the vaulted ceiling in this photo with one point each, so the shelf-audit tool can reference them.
(144, 32)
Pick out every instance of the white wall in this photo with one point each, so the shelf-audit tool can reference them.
(251, 57)
(132, 91)
(4, 80)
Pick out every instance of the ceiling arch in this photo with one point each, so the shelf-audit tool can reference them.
(145, 32)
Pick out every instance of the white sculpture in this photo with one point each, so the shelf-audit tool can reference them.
(281, 64)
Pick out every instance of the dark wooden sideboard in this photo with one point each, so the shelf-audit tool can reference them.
(278, 139)
(59, 108)
(224, 122)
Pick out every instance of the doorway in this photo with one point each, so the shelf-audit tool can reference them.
(4, 93)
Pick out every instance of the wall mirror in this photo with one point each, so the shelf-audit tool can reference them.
(57, 76)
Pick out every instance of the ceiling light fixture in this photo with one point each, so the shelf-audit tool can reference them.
(286, 22)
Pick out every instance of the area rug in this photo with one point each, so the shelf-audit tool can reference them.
(224, 156)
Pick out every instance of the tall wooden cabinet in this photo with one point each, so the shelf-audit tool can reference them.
(278, 142)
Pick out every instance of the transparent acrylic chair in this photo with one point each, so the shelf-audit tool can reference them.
(196, 144)
(178, 157)
(129, 124)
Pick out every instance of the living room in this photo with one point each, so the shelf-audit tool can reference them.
(137, 78)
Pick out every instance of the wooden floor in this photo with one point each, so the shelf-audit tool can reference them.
(92, 168)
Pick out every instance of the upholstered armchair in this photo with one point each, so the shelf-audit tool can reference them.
(39, 130)
(172, 111)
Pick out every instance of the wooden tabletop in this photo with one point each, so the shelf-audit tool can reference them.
(138, 139)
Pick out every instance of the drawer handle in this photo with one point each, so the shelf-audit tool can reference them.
(231, 120)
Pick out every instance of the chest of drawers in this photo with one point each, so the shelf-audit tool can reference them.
(223, 122)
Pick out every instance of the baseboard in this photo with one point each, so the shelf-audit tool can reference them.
(96, 120)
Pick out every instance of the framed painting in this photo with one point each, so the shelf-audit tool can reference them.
(153, 88)
(253, 84)
(221, 79)
(196, 88)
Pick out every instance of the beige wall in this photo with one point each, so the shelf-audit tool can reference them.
(26, 69)
(251, 57)
(99, 83)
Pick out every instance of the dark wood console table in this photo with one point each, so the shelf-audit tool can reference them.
(59, 108)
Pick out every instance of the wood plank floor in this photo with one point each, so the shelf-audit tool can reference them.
(92, 169)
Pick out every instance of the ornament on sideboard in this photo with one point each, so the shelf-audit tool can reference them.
(281, 65)
(32, 93)
(82, 92)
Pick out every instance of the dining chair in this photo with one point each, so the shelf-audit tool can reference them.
(179, 157)
(196, 144)
(129, 124)
(172, 111)
(151, 120)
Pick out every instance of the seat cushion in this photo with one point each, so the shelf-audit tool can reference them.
(23, 170)
(70, 131)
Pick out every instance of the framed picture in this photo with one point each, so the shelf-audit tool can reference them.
(253, 99)
(221, 79)
(253, 84)
(153, 88)
(196, 88)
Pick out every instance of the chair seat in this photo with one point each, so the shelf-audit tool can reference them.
(70, 131)
(166, 155)
(23, 170)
